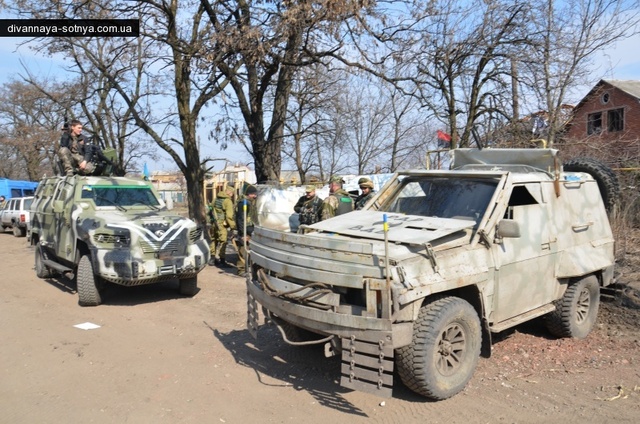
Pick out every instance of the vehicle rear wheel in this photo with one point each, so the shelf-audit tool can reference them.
(86, 280)
(445, 349)
(189, 286)
(577, 311)
(19, 232)
(42, 271)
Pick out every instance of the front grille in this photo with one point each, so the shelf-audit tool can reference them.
(195, 234)
(110, 238)
(149, 246)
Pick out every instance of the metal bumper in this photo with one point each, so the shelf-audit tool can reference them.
(367, 343)
(124, 268)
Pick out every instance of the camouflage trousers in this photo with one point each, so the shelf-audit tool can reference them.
(71, 161)
(218, 247)
(240, 264)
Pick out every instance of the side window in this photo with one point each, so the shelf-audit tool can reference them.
(594, 123)
(615, 120)
(520, 196)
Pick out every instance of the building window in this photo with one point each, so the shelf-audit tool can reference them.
(594, 123)
(615, 120)
(604, 99)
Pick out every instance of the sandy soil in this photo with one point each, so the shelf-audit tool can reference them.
(162, 358)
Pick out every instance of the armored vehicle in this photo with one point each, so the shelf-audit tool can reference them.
(101, 230)
(437, 262)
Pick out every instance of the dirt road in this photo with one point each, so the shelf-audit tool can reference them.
(158, 358)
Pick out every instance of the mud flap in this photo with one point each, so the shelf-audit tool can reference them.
(252, 313)
(367, 365)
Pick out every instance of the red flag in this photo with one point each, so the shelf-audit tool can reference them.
(444, 136)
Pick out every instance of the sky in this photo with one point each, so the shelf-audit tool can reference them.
(620, 62)
(15, 58)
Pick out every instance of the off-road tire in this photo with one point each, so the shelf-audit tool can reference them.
(41, 269)
(445, 349)
(189, 286)
(576, 312)
(605, 177)
(18, 231)
(87, 283)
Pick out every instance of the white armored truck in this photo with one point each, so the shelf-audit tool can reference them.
(437, 262)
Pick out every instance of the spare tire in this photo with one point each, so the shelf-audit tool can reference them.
(604, 176)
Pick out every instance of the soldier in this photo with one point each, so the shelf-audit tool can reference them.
(309, 207)
(74, 150)
(3, 202)
(223, 220)
(366, 185)
(250, 194)
(338, 202)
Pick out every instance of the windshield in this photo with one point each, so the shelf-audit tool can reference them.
(442, 197)
(120, 195)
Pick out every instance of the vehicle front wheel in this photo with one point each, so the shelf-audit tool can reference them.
(577, 311)
(42, 271)
(86, 280)
(445, 349)
(189, 286)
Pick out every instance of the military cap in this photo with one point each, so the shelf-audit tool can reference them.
(365, 182)
(310, 188)
(336, 179)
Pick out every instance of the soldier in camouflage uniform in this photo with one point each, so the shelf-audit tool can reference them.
(366, 185)
(309, 207)
(223, 220)
(338, 202)
(74, 151)
(250, 194)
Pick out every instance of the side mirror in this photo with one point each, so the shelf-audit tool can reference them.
(508, 228)
(58, 206)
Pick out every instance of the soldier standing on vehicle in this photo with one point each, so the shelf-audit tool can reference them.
(366, 185)
(245, 229)
(75, 151)
(223, 220)
(338, 202)
(309, 207)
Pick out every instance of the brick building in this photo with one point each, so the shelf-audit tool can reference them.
(609, 112)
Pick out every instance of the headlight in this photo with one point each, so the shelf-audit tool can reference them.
(121, 238)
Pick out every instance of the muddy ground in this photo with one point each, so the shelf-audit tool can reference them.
(158, 357)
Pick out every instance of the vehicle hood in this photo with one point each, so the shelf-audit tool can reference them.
(144, 221)
(408, 229)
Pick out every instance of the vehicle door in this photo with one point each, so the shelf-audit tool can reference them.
(11, 213)
(65, 242)
(525, 264)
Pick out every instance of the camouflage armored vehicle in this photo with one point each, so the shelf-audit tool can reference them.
(437, 262)
(117, 230)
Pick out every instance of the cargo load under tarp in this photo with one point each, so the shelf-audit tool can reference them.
(543, 159)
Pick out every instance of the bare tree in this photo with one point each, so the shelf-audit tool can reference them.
(258, 47)
(30, 128)
(309, 122)
(159, 77)
(566, 36)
